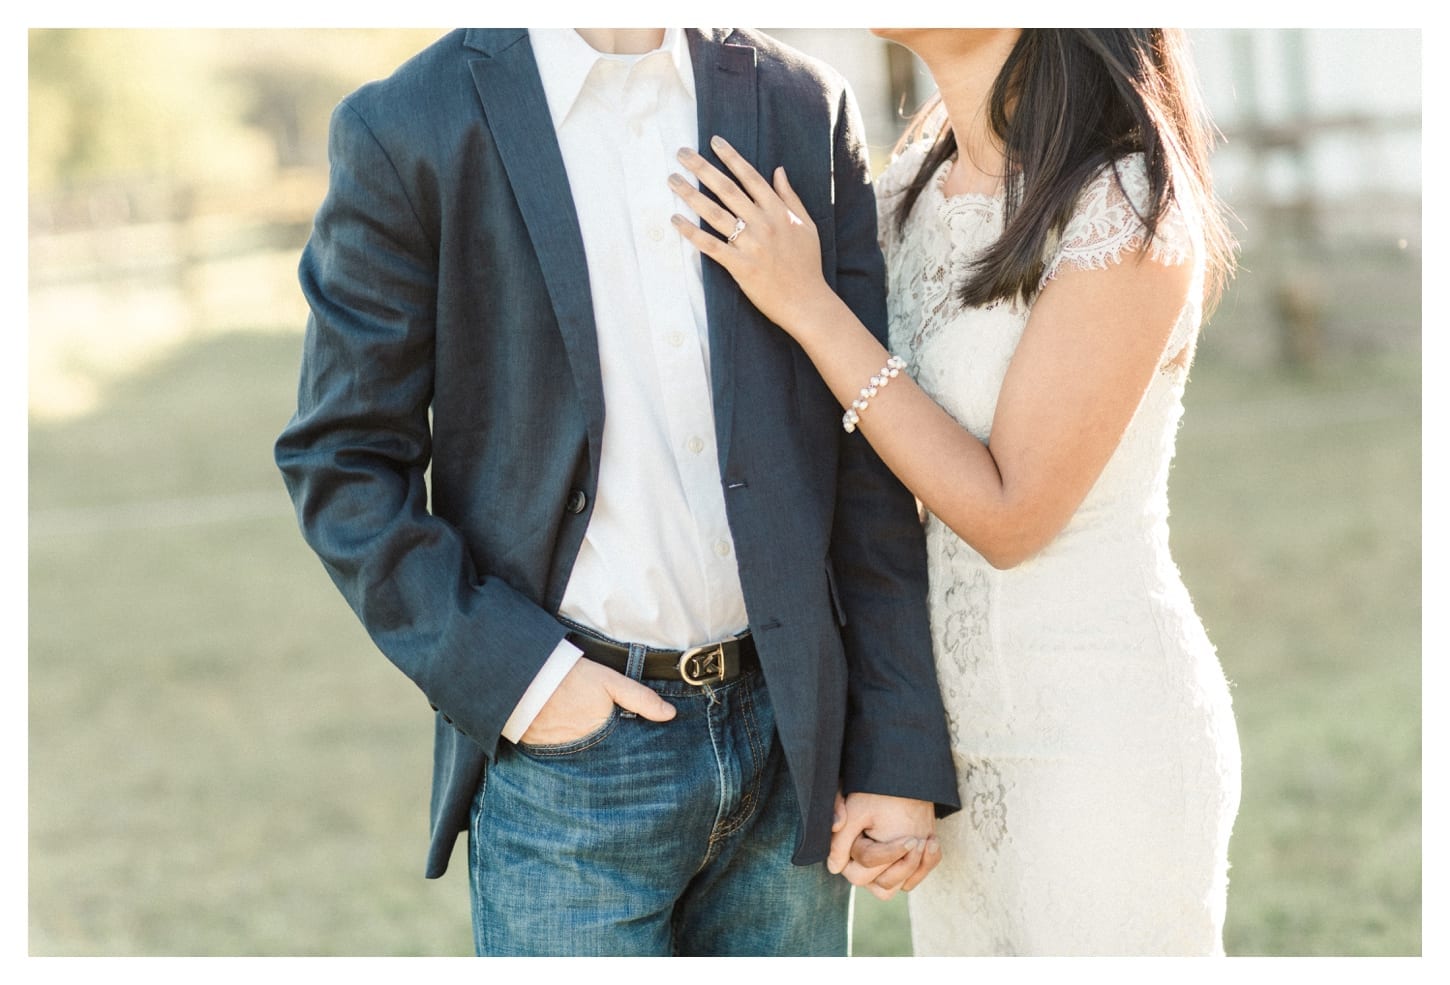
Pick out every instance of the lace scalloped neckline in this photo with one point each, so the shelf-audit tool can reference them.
(939, 181)
(971, 219)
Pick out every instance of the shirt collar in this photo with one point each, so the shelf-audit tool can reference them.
(565, 60)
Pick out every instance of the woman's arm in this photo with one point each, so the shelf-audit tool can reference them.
(1089, 350)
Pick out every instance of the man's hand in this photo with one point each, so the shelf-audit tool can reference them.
(883, 843)
(584, 700)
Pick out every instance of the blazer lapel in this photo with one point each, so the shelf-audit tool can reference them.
(507, 80)
(725, 99)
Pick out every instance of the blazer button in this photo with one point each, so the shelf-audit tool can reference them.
(577, 502)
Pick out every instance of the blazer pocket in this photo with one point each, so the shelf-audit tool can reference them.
(836, 605)
(826, 232)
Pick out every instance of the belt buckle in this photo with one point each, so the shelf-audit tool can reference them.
(698, 661)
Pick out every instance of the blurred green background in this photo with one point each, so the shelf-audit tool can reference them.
(220, 763)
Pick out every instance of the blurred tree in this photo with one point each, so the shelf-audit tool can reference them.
(290, 104)
(293, 78)
(130, 104)
(200, 107)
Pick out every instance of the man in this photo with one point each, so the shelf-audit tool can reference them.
(664, 608)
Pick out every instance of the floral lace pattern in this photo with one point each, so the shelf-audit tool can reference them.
(1092, 728)
(986, 802)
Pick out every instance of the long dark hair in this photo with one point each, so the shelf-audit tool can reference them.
(1066, 103)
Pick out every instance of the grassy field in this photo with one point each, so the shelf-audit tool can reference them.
(220, 762)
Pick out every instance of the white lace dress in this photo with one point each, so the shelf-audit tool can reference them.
(1095, 745)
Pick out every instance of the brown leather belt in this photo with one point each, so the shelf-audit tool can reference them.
(713, 663)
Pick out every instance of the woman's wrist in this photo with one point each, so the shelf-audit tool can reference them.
(814, 314)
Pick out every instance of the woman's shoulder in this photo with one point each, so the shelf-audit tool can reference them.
(1108, 220)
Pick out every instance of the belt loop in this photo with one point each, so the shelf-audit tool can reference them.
(634, 670)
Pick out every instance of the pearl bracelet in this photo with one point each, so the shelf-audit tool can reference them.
(890, 371)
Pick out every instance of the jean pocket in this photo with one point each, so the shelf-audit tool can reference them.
(574, 746)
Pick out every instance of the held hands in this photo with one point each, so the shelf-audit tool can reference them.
(883, 843)
(584, 700)
(772, 249)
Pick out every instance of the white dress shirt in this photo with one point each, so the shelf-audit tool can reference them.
(657, 565)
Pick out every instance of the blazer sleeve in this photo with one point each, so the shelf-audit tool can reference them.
(355, 454)
(896, 736)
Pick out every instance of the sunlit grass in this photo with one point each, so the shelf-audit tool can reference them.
(221, 763)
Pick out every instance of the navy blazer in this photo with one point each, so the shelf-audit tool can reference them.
(452, 327)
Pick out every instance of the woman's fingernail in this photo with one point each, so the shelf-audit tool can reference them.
(718, 142)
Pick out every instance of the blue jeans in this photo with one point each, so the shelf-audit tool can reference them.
(647, 838)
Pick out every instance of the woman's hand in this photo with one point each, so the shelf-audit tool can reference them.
(770, 245)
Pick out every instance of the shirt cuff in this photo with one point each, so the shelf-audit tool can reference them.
(546, 682)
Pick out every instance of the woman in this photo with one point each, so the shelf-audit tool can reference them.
(1051, 240)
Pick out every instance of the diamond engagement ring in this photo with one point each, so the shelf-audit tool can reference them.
(739, 228)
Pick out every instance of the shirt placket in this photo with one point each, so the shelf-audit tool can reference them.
(676, 335)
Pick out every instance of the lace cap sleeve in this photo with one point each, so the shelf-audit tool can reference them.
(1105, 224)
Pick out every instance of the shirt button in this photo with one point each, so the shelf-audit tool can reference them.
(722, 548)
(677, 339)
(695, 445)
(656, 233)
(577, 501)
